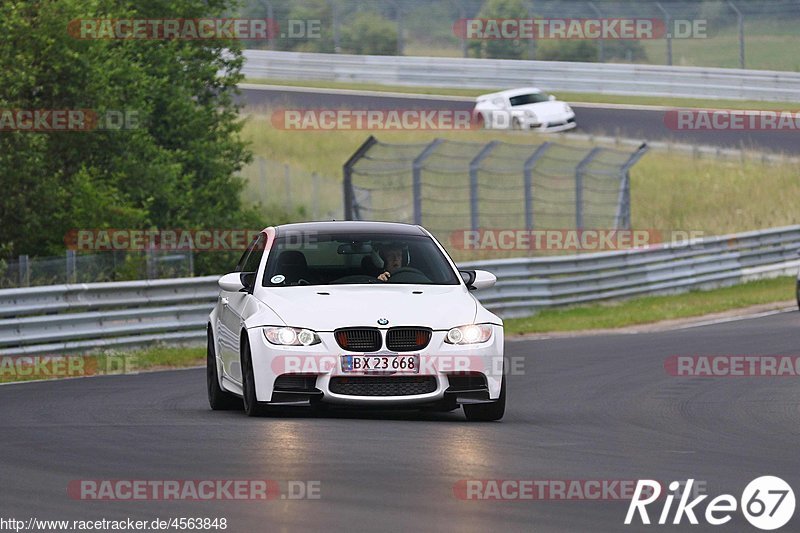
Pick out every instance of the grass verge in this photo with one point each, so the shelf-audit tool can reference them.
(159, 357)
(650, 309)
(670, 191)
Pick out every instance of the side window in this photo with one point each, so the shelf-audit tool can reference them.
(246, 260)
(256, 252)
(242, 259)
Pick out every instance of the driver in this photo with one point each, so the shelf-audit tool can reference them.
(392, 256)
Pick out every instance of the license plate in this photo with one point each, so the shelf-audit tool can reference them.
(381, 364)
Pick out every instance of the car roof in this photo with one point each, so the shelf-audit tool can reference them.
(351, 226)
(512, 92)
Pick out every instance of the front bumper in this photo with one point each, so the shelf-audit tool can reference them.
(553, 125)
(448, 373)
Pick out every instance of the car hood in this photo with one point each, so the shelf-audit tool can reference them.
(544, 109)
(434, 306)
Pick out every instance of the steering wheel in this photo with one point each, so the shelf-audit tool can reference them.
(413, 272)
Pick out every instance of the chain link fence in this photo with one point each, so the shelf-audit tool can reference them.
(72, 267)
(451, 186)
(737, 33)
(270, 183)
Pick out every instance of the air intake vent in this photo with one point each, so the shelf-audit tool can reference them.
(406, 339)
(359, 339)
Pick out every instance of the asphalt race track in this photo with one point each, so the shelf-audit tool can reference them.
(640, 124)
(599, 407)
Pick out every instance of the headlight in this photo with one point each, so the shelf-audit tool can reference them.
(529, 113)
(469, 334)
(567, 108)
(291, 336)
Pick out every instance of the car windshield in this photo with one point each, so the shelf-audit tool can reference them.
(530, 98)
(344, 258)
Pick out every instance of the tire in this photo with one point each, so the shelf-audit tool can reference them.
(798, 293)
(516, 124)
(252, 407)
(218, 399)
(488, 412)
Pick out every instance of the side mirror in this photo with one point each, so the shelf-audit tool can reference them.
(484, 279)
(478, 279)
(231, 282)
(552, 98)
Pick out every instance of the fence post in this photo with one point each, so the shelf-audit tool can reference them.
(527, 173)
(398, 6)
(623, 218)
(668, 29)
(24, 271)
(348, 175)
(473, 183)
(740, 21)
(262, 173)
(150, 262)
(601, 52)
(315, 196)
(416, 178)
(335, 23)
(579, 170)
(287, 175)
(532, 40)
(271, 17)
(72, 265)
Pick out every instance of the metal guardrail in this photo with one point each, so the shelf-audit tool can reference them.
(69, 318)
(602, 78)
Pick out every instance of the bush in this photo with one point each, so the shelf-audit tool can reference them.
(369, 33)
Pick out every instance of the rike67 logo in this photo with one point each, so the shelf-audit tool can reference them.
(767, 503)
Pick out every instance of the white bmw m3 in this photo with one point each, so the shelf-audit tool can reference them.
(354, 313)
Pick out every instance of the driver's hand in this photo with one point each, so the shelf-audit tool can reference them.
(385, 276)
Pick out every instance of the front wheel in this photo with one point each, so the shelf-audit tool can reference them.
(218, 399)
(487, 412)
(798, 293)
(251, 405)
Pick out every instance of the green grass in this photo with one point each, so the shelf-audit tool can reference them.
(769, 45)
(650, 309)
(703, 103)
(669, 191)
(158, 357)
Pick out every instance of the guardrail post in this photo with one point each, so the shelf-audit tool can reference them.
(24, 266)
(416, 178)
(473, 183)
(72, 265)
(348, 175)
(623, 217)
(579, 170)
(527, 172)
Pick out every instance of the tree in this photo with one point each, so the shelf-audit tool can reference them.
(176, 168)
(500, 48)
